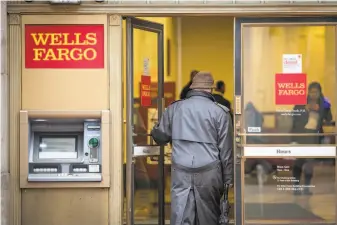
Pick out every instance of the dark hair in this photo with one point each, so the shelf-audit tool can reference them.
(193, 73)
(315, 85)
(220, 84)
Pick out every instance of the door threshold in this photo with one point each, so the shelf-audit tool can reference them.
(167, 222)
(271, 222)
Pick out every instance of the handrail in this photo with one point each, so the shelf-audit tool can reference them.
(141, 134)
(287, 134)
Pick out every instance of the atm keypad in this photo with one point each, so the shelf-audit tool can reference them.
(45, 170)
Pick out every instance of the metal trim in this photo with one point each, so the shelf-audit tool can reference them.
(177, 9)
(55, 178)
(286, 145)
(150, 150)
(239, 24)
(335, 124)
(129, 123)
(161, 106)
(287, 135)
(277, 157)
(132, 150)
(238, 193)
(286, 20)
(146, 25)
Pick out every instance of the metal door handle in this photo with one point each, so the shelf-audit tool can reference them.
(149, 150)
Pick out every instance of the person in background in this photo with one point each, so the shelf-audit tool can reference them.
(186, 89)
(219, 93)
(310, 121)
(201, 133)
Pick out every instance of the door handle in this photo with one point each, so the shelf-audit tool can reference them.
(146, 150)
(162, 106)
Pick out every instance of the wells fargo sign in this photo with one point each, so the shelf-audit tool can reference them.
(291, 89)
(145, 91)
(64, 46)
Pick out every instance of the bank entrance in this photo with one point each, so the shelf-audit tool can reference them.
(284, 104)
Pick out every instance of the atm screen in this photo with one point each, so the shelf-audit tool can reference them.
(58, 147)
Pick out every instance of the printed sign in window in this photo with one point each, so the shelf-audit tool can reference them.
(291, 89)
(292, 63)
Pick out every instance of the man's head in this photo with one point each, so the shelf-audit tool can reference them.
(193, 73)
(220, 86)
(203, 81)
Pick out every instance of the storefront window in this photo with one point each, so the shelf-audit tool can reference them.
(145, 111)
(289, 94)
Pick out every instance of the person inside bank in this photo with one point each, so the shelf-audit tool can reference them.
(312, 116)
(219, 92)
(187, 88)
(219, 96)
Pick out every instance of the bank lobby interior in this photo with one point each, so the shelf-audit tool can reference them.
(207, 43)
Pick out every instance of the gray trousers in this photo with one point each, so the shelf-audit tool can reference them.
(196, 194)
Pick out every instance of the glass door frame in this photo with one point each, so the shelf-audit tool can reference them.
(131, 24)
(239, 24)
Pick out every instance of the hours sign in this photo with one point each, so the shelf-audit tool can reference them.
(64, 46)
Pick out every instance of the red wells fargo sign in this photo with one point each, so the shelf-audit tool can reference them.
(291, 89)
(145, 91)
(64, 46)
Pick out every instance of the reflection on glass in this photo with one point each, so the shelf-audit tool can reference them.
(58, 144)
(145, 63)
(53, 147)
(309, 105)
(296, 191)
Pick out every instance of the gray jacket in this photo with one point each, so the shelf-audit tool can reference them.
(200, 131)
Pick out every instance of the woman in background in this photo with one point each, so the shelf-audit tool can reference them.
(311, 119)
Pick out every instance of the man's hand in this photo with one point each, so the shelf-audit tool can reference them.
(229, 185)
(314, 107)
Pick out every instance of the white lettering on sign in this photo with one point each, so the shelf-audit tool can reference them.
(146, 67)
(254, 129)
(280, 151)
(292, 63)
(290, 151)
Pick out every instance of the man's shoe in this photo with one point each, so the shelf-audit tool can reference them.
(307, 192)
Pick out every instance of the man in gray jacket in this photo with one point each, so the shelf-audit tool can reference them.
(201, 134)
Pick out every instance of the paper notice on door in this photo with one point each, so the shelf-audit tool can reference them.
(292, 63)
(146, 67)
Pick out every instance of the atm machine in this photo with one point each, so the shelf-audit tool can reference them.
(62, 149)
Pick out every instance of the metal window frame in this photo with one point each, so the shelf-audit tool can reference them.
(239, 24)
(131, 24)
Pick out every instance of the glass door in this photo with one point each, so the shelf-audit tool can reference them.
(144, 104)
(285, 108)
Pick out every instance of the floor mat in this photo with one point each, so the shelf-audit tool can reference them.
(278, 211)
(168, 210)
